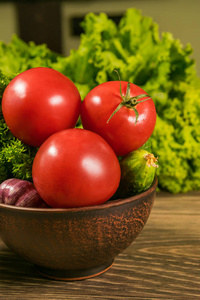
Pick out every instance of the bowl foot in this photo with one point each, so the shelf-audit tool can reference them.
(70, 275)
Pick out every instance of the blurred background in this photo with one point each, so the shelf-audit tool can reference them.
(57, 23)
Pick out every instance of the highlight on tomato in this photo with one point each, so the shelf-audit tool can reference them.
(39, 102)
(122, 113)
(75, 167)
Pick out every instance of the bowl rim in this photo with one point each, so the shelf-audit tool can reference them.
(107, 204)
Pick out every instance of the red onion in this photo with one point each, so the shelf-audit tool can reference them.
(19, 192)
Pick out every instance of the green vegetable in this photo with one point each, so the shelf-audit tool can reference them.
(18, 56)
(138, 170)
(156, 62)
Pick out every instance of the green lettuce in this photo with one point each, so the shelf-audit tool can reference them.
(18, 56)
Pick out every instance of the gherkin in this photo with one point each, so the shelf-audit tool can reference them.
(138, 170)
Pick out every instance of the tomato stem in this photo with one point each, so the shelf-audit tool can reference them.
(127, 101)
(116, 110)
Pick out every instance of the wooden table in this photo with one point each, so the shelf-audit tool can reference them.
(163, 262)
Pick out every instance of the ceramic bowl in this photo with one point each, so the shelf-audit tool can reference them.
(75, 243)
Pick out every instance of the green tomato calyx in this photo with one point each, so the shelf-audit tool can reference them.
(128, 101)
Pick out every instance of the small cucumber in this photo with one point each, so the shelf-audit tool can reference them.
(137, 173)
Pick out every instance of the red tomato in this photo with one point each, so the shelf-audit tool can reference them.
(38, 103)
(75, 167)
(122, 131)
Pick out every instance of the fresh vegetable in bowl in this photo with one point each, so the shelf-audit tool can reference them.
(39, 102)
(21, 193)
(122, 113)
(75, 167)
(138, 170)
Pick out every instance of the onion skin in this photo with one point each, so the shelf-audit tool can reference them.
(20, 193)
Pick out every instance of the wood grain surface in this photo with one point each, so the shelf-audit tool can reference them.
(163, 262)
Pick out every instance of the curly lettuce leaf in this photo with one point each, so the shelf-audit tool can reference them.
(18, 56)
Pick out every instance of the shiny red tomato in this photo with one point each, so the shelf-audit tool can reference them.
(75, 167)
(38, 103)
(133, 122)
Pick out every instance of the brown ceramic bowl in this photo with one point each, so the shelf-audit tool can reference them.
(75, 243)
